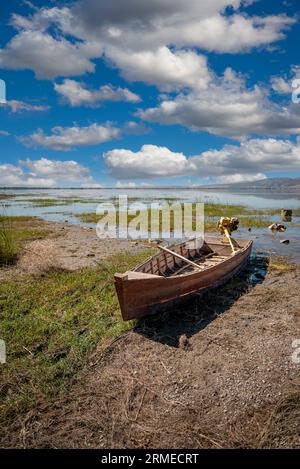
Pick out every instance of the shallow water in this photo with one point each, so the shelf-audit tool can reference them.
(253, 200)
(264, 240)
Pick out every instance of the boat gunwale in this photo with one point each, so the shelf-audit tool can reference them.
(148, 276)
(132, 310)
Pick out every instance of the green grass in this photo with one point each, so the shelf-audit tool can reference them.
(223, 210)
(23, 228)
(212, 213)
(210, 223)
(70, 201)
(254, 222)
(48, 202)
(18, 219)
(210, 210)
(281, 264)
(296, 212)
(14, 231)
(248, 218)
(51, 324)
(8, 246)
(92, 217)
(40, 203)
(4, 196)
(44, 202)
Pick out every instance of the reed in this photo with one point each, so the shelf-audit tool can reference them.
(8, 246)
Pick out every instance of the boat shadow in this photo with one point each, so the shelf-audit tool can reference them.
(189, 315)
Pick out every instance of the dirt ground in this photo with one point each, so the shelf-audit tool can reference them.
(210, 373)
(67, 247)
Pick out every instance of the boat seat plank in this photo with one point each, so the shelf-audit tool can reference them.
(188, 268)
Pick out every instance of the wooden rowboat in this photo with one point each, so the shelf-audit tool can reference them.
(177, 271)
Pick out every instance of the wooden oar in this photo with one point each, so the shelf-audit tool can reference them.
(199, 265)
(227, 234)
(232, 241)
(179, 256)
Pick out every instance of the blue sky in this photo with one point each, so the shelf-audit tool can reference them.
(148, 93)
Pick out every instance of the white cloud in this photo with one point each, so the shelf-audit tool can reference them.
(252, 157)
(44, 173)
(136, 25)
(19, 106)
(66, 138)
(281, 85)
(236, 33)
(163, 67)
(68, 170)
(11, 175)
(248, 161)
(295, 71)
(153, 42)
(135, 128)
(232, 178)
(95, 15)
(78, 94)
(126, 185)
(132, 185)
(4, 133)
(47, 56)
(91, 186)
(150, 161)
(227, 107)
(86, 29)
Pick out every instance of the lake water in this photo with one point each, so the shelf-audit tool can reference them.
(87, 200)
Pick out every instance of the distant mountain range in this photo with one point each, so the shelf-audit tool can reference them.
(287, 185)
(269, 185)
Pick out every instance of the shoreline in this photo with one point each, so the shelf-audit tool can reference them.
(213, 372)
(66, 247)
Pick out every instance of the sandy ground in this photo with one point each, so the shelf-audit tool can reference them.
(67, 247)
(209, 373)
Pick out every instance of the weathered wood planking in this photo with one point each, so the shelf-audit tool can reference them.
(163, 278)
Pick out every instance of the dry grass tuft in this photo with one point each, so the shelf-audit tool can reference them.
(281, 264)
(39, 257)
(283, 428)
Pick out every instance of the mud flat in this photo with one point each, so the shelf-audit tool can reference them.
(219, 371)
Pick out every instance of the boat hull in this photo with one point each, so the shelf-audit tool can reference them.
(140, 294)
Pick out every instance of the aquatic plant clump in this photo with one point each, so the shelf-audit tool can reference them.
(8, 247)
